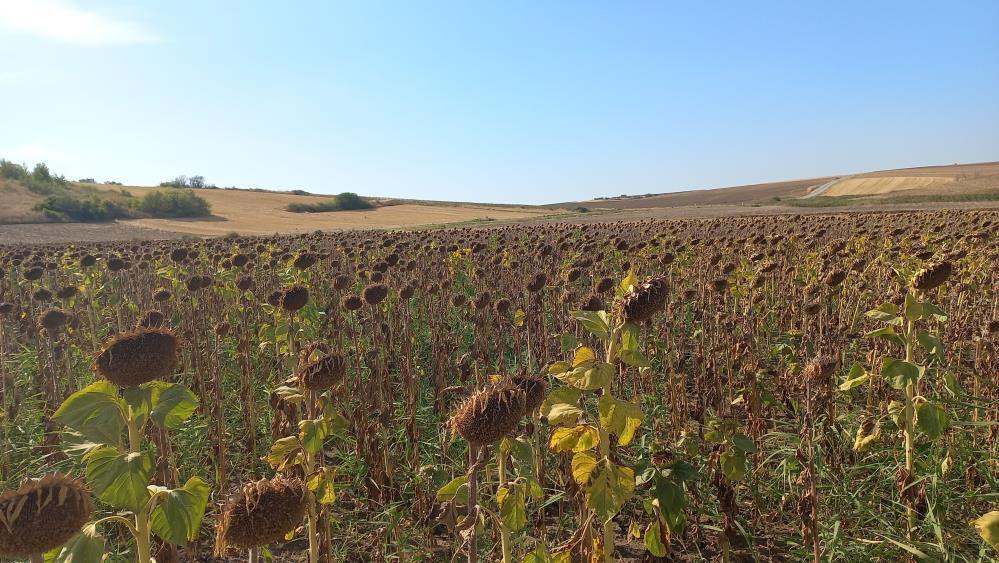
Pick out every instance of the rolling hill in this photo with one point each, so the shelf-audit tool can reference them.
(943, 182)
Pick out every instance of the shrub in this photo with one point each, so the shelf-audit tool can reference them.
(92, 209)
(174, 203)
(12, 170)
(347, 201)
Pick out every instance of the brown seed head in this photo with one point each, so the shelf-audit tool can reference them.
(42, 514)
(133, 358)
(490, 414)
(647, 299)
(933, 276)
(261, 513)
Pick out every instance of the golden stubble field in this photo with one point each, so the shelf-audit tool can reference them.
(257, 212)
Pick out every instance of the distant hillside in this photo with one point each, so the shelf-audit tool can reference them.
(958, 181)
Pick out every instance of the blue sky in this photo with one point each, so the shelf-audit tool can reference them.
(510, 101)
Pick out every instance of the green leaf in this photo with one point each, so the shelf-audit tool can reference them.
(609, 490)
(656, 540)
(589, 375)
(85, 547)
(683, 471)
(931, 344)
(120, 479)
(988, 528)
(312, 433)
(513, 508)
(932, 419)
(670, 495)
(886, 313)
(900, 373)
(733, 464)
(172, 404)
(744, 443)
(76, 445)
(576, 439)
(620, 417)
(583, 464)
(177, 516)
(629, 337)
(631, 352)
(595, 322)
(886, 333)
(561, 406)
(541, 555)
(568, 342)
(857, 377)
(916, 310)
(456, 490)
(140, 401)
(96, 412)
(897, 412)
(522, 452)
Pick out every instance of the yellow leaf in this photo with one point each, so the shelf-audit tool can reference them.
(518, 317)
(583, 464)
(583, 354)
(988, 528)
(576, 439)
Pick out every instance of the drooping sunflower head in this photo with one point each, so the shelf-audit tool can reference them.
(42, 514)
(132, 358)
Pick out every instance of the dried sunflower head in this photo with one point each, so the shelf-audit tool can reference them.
(133, 358)
(41, 515)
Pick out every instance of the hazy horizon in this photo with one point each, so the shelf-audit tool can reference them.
(512, 103)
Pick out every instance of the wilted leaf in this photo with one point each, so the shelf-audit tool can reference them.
(323, 486)
(589, 376)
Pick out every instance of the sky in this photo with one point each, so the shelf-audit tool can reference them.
(512, 102)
